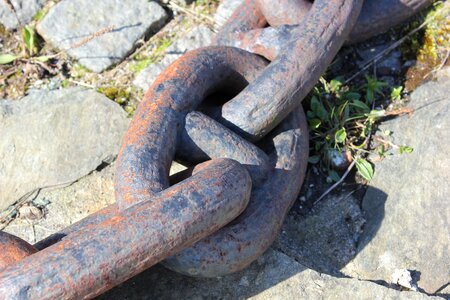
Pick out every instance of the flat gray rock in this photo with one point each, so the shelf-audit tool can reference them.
(54, 137)
(326, 238)
(61, 207)
(225, 10)
(26, 9)
(198, 37)
(407, 204)
(64, 206)
(72, 21)
(272, 276)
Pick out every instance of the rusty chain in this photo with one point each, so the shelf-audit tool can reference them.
(251, 152)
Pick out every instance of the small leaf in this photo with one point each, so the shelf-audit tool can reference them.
(352, 96)
(361, 105)
(387, 132)
(340, 135)
(405, 149)
(314, 159)
(314, 123)
(370, 96)
(396, 93)
(43, 58)
(310, 114)
(29, 38)
(365, 169)
(335, 84)
(325, 85)
(341, 109)
(7, 58)
(374, 115)
(381, 151)
(318, 109)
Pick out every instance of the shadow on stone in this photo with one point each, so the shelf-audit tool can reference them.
(328, 237)
(160, 283)
(325, 240)
(374, 214)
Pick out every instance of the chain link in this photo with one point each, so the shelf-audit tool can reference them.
(223, 213)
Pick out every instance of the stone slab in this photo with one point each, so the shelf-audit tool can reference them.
(407, 204)
(52, 137)
(71, 21)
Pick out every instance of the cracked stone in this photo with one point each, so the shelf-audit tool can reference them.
(406, 204)
(63, 206)
(52, 137)
(326, 238)
(71, 22)
(272, 276)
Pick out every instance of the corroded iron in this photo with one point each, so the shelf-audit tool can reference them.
(118, 244)
(235, 246)
(149, 146)
(289, 78)
(200, 223)
(195, 76)
(203, 139)
(13, 249)
(248, 29)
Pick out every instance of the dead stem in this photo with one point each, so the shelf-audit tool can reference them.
(91, 37)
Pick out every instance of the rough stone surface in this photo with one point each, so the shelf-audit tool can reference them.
(200, 36)
(64, 206)
(325, 239)
(225, 10)
(26, 9)
(407, 204)
(54, 137)
(70, 22)
(272, 276)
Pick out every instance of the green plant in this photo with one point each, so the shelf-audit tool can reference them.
(30, 48)
(396, 93)
(365, 169)
(342, 118)
(40, 14)
(29, 40)
(142, 61)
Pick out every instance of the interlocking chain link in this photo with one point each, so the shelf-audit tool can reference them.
(225, 214)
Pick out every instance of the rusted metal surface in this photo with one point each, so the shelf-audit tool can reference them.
(289, 78)
(201, 225)
(284, 12)
(235, 246)
(97, 257)
(13, 249)
(150, 143)
(213, 67)
(203, 139)
(377, 16)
